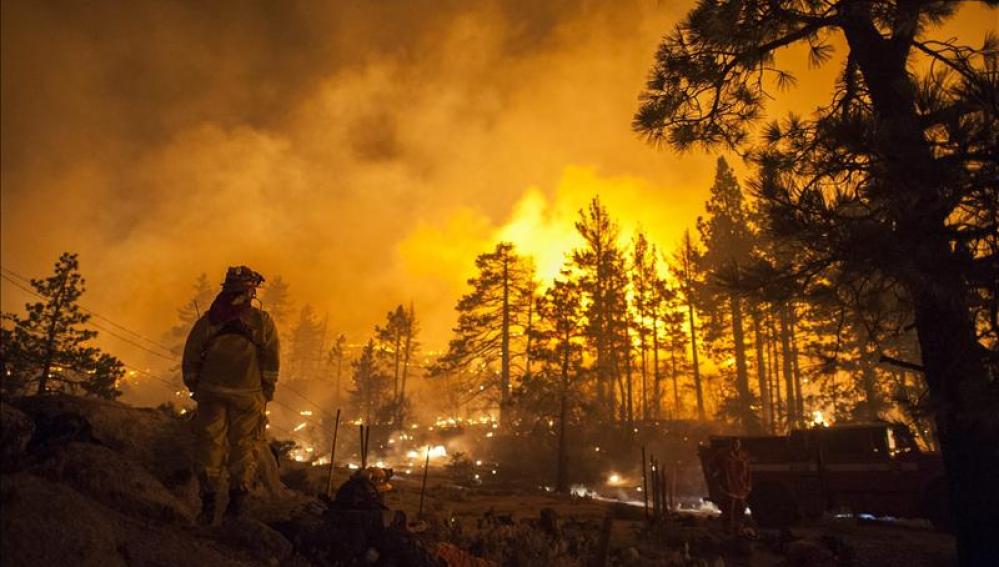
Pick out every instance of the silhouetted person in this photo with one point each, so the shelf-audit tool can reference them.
(734, 478)
(231, 366)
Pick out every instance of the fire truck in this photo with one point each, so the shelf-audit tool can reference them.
(875, 469)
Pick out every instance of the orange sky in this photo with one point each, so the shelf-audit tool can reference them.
(364, 151)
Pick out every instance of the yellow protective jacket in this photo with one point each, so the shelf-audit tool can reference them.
(236, 358)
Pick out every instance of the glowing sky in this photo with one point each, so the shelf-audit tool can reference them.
(365, 151)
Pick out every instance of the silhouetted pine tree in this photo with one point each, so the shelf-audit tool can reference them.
(48, 347)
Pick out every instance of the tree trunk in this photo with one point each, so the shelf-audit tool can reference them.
(761, 370)
(962, 393)
(339, 371)
(644, 347)
(772, 382)
(795, 369)
(561, 466)
(656, 375)
(505, 343)
(868, 380)
(785, 353)
(401, 402)
(527, 332)
(780, 415)
(966, 416)
(697, 366)
(746, 416)
(628, 369)
(676, 389)
(395, 361)
(49, 354)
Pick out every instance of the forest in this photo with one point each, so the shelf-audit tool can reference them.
(850, 276)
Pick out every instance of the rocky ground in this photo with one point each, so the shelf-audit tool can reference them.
(90, 482)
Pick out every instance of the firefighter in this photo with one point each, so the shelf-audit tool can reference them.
(735, 481)
(364, 490)
(230, 365)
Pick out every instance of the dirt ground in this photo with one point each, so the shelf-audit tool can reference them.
(691, 538)
(98, 483)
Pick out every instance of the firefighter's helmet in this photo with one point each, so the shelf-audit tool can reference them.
(379, 477)
(241, 278)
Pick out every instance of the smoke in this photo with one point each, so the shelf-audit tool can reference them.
(365, 151)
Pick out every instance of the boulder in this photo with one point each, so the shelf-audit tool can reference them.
(160, 442)
(44, 523)
(114, 480)
(259, 539)
(150, 437)
(16, 429)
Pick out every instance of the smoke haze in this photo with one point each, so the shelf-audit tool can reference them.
(364, 151)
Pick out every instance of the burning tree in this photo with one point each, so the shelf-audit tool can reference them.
(48, 348)
(895, 177)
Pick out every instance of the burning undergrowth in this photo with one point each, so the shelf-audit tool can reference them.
(600, 461)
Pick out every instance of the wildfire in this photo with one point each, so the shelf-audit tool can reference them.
(819, 419)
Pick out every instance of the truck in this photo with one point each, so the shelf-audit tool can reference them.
(875, 469)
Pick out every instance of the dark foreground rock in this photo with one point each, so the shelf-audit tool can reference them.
(113, 480)
(44, 523)
(16, 430)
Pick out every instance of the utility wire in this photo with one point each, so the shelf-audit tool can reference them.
(93, 313)
(172, 358)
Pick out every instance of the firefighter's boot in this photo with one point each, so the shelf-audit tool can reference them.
(237, 503)
(207, 515)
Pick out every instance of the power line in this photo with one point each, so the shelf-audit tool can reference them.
(90, 312)
(172, 358)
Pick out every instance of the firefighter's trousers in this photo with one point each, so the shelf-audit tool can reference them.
(233, 424)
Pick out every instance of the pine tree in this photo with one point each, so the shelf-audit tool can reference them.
(492, 321)
(48, 348)
(187, 314)
(643, 297)
(410, 346)
(728, 243)
(685, 267)
(306, 342)
(672, 317)
(603, 281)
(276, 301)
(370, 394)
(396, 341)
(335, 358)
(559, 347)
(893, 175)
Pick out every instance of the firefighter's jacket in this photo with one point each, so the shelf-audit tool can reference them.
(237, 358)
